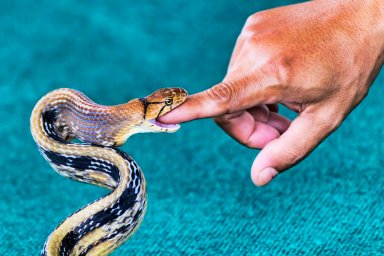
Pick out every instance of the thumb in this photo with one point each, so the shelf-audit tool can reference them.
(303, 135)
(231, 95)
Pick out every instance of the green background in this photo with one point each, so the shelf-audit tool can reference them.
(201, 199)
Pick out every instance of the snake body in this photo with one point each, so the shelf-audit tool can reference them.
(65, 114)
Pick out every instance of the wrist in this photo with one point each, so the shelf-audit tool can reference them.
(369, 15)
(361, 23)
(367, 18)
(376, 22)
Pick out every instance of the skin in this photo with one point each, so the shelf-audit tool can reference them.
(318, 58)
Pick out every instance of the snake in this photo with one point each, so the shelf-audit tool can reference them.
(80, 138)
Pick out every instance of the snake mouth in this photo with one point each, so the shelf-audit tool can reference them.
(164, 127)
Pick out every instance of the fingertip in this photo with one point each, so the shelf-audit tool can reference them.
(183, 113)
(171, 117)
(195, 107)
(264, 176)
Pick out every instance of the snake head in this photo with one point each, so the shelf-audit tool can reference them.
(145, 111)
(159, 103)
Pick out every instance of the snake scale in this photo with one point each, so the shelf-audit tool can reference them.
(66, 114)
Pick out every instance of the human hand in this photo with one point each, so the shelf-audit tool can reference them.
(318, 58)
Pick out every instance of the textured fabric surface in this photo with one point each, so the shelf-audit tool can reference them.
(201, 199)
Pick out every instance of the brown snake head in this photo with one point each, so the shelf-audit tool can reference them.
(151, 107)
(162, 101)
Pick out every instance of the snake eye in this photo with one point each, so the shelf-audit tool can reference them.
(168, 101)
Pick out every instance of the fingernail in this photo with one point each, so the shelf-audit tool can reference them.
(267, 174)
(273, 172)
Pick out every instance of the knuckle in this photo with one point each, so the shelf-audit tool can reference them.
(253, 24)
(250, 20)
(282, 66)
(328, 121)
(255, 40)
(324, 123)
(250, 143)
(222, 92)
(221, 95)
(292, 157)
(283, 63)
(279, 69)
(255, 18)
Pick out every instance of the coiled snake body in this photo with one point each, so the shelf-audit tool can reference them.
(65, 114)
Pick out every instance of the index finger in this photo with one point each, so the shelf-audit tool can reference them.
(260, 87)
(191, 109)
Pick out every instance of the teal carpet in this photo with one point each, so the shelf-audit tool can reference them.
(201, 198)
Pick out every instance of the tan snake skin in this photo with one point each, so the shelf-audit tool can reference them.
(65, 114)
